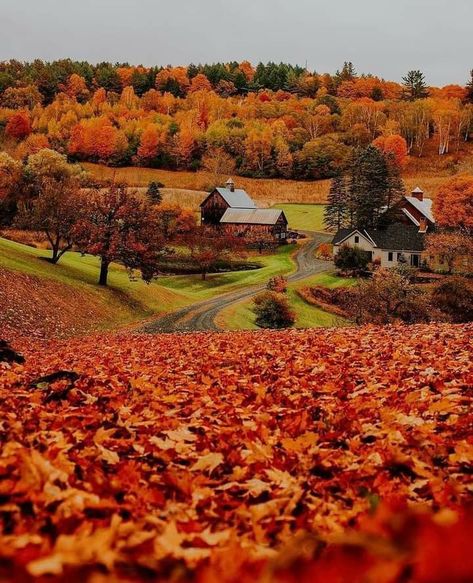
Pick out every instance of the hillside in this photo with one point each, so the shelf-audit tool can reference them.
(188, 188)
(51, 301)
(276, 123)
(180, 450)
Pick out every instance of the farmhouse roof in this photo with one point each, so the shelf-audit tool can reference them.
(395, 237)
(251, 216)
(423, 206)
(237, 198)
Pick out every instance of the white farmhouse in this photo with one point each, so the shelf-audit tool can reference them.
(403, 240)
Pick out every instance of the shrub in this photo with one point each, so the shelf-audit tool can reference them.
(154, 193)
(272, 311)
(351, 258)
(455, 298)
(324, 251)
(278, 284)
(388, 297)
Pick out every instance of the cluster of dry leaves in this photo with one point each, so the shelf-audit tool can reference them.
(44, 308)
(294, 456)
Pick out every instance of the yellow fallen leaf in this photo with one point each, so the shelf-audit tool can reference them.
(208, 462)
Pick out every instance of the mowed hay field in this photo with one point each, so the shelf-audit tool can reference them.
(189, 188)
(266, 191)
(304, 217)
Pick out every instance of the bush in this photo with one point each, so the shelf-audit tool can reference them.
(324, 251)
(272, 311)
(277, 284)
(351, 258)
(154, 193)
(388, 297)
(455, 299)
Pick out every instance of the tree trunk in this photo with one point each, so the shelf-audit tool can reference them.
(54, 248)
(55, 256)
(103, 271)
(204, 275)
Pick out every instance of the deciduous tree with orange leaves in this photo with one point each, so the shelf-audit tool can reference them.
(453, 205)
(200, 83)
(18, 125)
(394, 146)
(151, 139)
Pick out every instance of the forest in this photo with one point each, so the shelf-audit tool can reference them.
(272, 120)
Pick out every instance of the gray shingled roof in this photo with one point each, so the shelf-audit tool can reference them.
(395, 237)
(237, 198)
(251, 216)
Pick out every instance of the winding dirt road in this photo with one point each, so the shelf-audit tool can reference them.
(201, 316)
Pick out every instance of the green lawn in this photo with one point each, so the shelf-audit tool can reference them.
(134, 300)
(280, 263)
(304, 217)
(240, 316)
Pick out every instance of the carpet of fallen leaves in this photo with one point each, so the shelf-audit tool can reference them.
(293, 456)
(45, 308)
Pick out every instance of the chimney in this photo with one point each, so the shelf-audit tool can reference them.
(230, 185)
(418, 193)
(423, 225)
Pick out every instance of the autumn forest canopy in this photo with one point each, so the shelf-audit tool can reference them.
(269, 120)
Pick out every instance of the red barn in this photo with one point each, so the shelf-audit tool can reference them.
(234, 212)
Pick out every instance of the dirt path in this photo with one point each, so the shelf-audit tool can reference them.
(201, 316)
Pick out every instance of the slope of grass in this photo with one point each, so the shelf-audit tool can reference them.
(240, 316)
(279, 263)
(429, 172)
(127, 301)
(304, 217)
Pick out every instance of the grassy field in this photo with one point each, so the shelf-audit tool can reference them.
(240, 316)
(215, 284)
(188, 188)
(130, 301)
(304, 217)
(266, 191)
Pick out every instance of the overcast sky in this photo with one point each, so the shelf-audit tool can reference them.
(384, 37)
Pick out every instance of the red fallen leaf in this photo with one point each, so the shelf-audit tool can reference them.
(302, 431)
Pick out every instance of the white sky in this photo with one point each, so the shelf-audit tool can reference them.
(384, 37)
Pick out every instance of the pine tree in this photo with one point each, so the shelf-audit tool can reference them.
(347, 73)
(369, 188)
(395, 191)
(336, 215)
(415, 86)
(154, 194)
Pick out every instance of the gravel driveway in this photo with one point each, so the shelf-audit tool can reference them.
(201, 316)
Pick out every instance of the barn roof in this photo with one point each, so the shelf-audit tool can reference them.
(252, 216)
(423, 206)
(237, 198)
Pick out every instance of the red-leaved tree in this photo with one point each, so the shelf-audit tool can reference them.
(120, 226)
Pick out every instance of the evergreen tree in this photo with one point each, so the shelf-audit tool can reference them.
(154, 194)
(394, 193)
(347, 73)
(415, 86)
(336, 215)
(370, 187)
